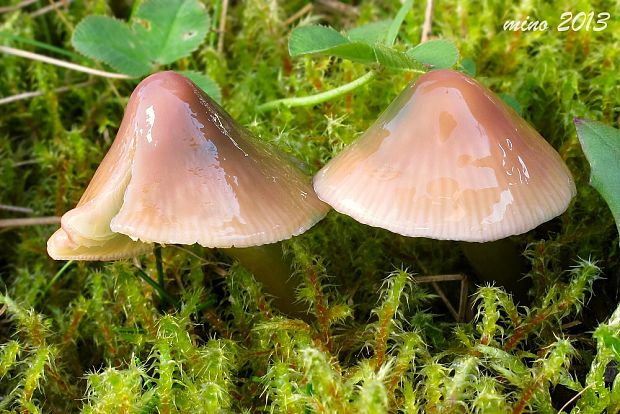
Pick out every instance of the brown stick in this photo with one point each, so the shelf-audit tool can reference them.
(34, 221)
(437, 278)
(299, 13)
(459, 315)
(463, 298)
(338, 7)
(428, 21)
(34, 94)
(445, 300)
(50, 7)
(16, 209)
(222, 28)
(18, 6)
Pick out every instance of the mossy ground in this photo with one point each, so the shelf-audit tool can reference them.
(98, 339)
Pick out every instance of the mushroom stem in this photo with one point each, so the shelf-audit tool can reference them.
(273, 271)
(499, 261)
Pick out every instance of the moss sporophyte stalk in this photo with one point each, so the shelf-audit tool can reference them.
(338, 316)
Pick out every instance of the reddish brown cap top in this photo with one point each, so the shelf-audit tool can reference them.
(182, 171)
(448, 160)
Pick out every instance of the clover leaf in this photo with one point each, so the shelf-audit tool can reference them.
(159, 33)
(365, 45)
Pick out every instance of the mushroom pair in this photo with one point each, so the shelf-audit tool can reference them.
(181, 171)
(448, 160)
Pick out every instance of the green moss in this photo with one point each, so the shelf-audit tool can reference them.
(98, 339)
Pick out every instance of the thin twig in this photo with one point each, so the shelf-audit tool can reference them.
(463, 300)
(61, 63)
(218, 267)
(25, 162)
(459, 315)
(34, 221)
(18, 6)
(16, 209)
(299, 13)
(50, 7)
(570, 324)
(42, 45)
(428, 21)
(569, 402)
(445, 300)
(339, 7)
(34, 94)
(222, 28)
(438, 278)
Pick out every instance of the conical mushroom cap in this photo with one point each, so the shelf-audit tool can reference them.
(181, 171)
(448, 160)
(85, 232)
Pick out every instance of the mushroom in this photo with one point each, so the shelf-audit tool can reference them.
(448, 160)
(181, 171)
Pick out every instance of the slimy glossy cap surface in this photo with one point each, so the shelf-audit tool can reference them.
(85, 232)
(182, 171)
(448, 160)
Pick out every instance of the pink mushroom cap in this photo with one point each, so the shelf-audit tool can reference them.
(181, 171)
(448, 160)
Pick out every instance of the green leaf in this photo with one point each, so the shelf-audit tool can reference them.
(204, 82)
(601, 145)
(608, 334)
(363, 45)
(609, 338)
(171, 29)
(357, 52)
(371, 33)
(394, 59)
(468, 65)
(161, 32)
(118, 47)
(320, 40)
(398, 21)
(313, 39)
(440, 53)
(512, 102)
